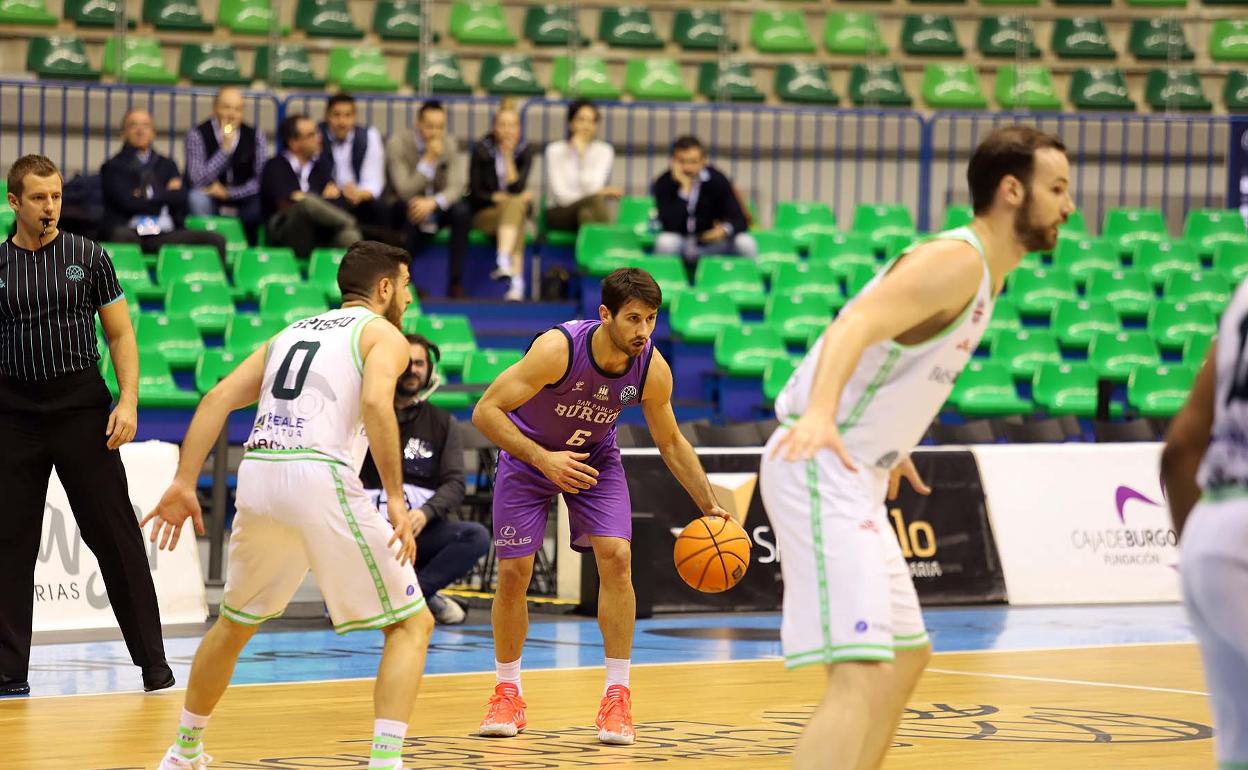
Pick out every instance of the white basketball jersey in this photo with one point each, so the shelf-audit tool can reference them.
(896, 390)
(1226, 460)
(310, 402)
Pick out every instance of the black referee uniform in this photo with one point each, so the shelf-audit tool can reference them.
(54, 409)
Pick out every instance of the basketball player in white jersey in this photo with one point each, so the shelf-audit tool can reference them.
(851, 414)
(1205, 471)
(321, 383)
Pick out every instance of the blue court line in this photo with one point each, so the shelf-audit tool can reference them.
(300, 656)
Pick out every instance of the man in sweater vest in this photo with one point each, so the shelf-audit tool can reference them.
(224, 157)
(355, 157)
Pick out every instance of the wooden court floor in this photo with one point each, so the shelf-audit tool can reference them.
(1108, 708)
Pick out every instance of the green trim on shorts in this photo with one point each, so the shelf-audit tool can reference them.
(816, 532)
(365, 551)
(246, 618)
(383, 620)
(291, 455)
(843, 653)
(911, 641)
(1233, 766)
(873, 387)
(1222, 494)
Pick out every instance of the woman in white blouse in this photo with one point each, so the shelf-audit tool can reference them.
(577, 169)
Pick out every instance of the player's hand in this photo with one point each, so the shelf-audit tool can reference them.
(123, 421)
(568, 471)
(906, 470)
(810, 435)
(401, 520)
(177, 504)
(716, 510)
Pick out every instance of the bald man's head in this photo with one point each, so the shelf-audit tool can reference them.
(228, 107)
(137, 130)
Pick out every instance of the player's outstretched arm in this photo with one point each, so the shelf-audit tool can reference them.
(677, 452)
(1186, 442)
(386, 357)
(545, 364)
(937, 277)
(240, 388)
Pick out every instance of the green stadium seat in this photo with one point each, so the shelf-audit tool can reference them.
(1172, 323)
(174, 337)
(1007, 37)
(552, 25)
(510, 74)
(1211, 289)
(746, 351)
(878, 84)
(131, 270)
(1125, 227)
(797, 317)
(1228, 40)
(1129, 291)
(776, 376)
(952, 86)
(208, 305)
(1115, 356)
(1038, 291)
(261, 266)
(1010, 2)
(668, 271)
(175, 16)
(141, 61)
(26, 12)
(360, 68)
(957, 215)
(1230, 258)
(290, 302)
(1159, 38)
(1083, 256)
(589, 79)
(157, 389)
(656, 79)
(698, 316)
(804, 220)
(1075, 321)
(780, 32)
(1195, 350)
(481, 367)
(214, 365)
(93, 13)
(1082, 38)
(930, 34)
(177, 264)
(775, 248)
(211, 64)
(809, 278)
(294, 67)
(1204, 229)
(1235, 91)
(700, 29)
(1027, 87)
(740, 280)
(1169, 89)
(326, 18)
(399, 20)
(229, 228)
(1065, 388)
(985, 389)
(59, 58)
(1075, 225)
(843, 252)
(454, 335)
(804, 83)
(878, 222)
(323, 272)
(728, 82)
(853, 33)
(635, 213)
(1005, 317)
(601, 249)
(1161, 259)
(245, 333)
(1096, 88)
(628, 27)
(247, 17)
(1023, 351)
(445, 74)
(1160, 392)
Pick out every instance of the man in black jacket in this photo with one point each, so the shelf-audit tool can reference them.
(224, 157)
(356, 158)
(144, 200)
(433, 482)
(302, 206)
(698, 208)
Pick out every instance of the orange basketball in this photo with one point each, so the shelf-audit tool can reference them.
(712, 554)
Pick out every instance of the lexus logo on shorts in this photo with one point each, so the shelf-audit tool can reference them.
(508, 531)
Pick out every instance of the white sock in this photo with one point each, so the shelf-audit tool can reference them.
(509, 673)
(190, 740)
(387, 752)
(617, 672)
(504, 261)
(517, 285)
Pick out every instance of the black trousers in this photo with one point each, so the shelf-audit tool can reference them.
(60, 424)
(459, 218)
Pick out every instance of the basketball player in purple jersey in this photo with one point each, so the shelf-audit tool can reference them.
(553, 414)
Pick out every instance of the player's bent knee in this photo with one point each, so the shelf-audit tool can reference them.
(419, 627)
(514, 574)
(615, 559)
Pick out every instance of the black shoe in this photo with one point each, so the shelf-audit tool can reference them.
(10, 687)
(157, 676)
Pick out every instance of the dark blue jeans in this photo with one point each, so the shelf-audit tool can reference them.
(446, 550)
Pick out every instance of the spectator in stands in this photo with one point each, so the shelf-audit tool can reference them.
(427, 180)
(433, 482)
(355, 156)
(301, 204)
(144, 199)
(498, 175)
(224, 157)
(577, 169)
(699, 211)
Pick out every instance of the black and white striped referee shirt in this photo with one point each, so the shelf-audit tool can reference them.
(48, 302)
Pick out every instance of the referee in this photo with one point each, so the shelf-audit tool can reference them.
(54, 413)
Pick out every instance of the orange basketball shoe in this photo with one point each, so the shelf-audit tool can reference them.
(615, 717)
(506, 715)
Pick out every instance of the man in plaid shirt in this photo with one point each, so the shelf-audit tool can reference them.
(224, 157)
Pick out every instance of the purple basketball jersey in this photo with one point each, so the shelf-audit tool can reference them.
(578, 412)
